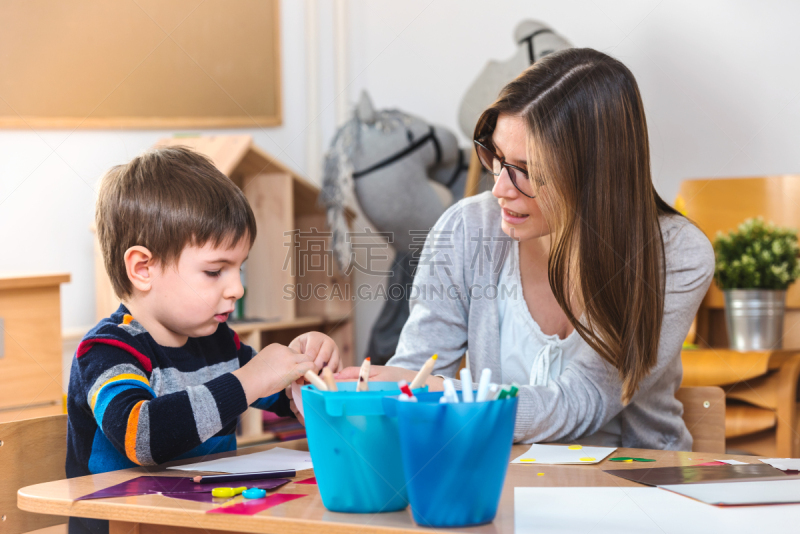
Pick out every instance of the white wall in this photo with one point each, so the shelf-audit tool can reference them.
(719, 80)
(48, 181)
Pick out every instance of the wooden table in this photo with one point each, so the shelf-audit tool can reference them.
(151, 514)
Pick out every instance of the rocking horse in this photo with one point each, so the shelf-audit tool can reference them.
(388, 161)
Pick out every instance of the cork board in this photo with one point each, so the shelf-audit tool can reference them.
(139, 63)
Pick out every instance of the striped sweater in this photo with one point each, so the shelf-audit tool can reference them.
(134, 402)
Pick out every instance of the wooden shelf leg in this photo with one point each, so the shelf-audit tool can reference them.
(122, 527)
(787, 438)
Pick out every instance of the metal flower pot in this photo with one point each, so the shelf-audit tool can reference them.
(754, 318)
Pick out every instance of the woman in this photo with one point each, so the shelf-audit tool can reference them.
(589, 303)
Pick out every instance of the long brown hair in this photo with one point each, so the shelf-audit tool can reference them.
(589, 160)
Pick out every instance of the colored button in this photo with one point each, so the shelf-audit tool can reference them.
(254, 493)
(227, 492)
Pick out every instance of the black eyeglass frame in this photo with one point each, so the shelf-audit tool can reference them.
(503, 164)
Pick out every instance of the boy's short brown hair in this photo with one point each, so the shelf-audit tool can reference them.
(164, 200)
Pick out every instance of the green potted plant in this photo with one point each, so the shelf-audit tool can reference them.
(755, 264)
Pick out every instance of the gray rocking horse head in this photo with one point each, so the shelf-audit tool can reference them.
(388, 161)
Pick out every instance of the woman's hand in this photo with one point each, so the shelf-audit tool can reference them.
(380, 373)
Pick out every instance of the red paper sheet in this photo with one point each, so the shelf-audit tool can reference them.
(312, 480)
(252, 507)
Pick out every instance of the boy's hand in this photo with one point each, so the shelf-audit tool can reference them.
(320, 347)
(271, 370)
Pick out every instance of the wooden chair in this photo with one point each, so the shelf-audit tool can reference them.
(761, 386)
(31, 451)
(704, 415)
(720, 205)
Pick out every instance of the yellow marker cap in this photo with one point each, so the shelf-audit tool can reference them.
(587, 459)
(575, 447)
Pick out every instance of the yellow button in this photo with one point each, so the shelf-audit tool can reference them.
(574, 447)
(587, 459)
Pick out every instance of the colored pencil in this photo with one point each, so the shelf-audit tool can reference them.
(424, 373)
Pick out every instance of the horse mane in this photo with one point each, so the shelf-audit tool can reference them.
(337, 178)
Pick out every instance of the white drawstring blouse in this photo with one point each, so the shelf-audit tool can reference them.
(528, 355)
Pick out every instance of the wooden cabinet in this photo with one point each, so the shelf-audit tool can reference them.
(761, 386)
(761, 415)
(30, 346)
(291, 226)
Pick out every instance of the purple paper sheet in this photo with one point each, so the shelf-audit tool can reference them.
(197, 497)
(149, 485)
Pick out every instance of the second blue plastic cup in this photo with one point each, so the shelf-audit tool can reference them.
(455, 457)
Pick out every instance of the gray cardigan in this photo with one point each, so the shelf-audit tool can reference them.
(453, 308)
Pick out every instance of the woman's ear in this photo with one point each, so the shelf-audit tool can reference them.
(140, 265)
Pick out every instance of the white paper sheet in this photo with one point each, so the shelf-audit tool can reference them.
(563, 454)
(740, 493)
(784, 464)
(272, 460)
(621, 510)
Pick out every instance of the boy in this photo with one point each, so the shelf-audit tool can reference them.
(164, 377)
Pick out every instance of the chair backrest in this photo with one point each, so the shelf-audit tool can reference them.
(720, 205)
(704, 415)
(32, 451)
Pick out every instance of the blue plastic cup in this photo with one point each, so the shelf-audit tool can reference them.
(455, 457)
(355, 448)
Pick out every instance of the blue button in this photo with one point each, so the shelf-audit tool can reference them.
(254, 493)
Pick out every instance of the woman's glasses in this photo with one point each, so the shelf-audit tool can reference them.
(494, 164)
